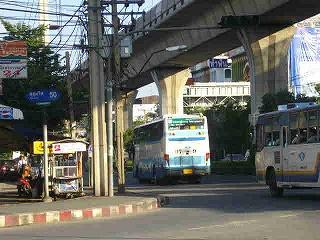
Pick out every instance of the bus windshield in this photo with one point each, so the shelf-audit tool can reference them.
(185, 123)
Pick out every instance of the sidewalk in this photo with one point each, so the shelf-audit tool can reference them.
(88, 207)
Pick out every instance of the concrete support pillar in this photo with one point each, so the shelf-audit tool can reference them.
(120, 100)
(128, 109)
(171, 90)
(268, 60)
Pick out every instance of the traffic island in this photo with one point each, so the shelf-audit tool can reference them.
(74, 210)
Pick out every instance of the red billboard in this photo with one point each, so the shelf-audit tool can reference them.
(13, 48)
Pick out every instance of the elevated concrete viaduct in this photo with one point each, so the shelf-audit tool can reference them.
(266, 47)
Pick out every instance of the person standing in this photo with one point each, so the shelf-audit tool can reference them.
(22, 163)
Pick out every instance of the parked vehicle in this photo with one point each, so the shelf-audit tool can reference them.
(30, 183)
(8, 170)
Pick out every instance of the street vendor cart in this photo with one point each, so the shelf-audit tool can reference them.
(65, 168)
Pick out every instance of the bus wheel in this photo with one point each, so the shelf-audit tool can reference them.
(275, 191)
(194, 180)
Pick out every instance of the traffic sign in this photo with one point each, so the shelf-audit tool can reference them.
(45, 96)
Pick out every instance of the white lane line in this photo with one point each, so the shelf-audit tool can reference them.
(288, 215)
(233, 223)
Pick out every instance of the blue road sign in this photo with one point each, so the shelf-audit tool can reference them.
(44, 96)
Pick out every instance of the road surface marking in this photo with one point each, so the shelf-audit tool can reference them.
(233, 223)
(288, 215)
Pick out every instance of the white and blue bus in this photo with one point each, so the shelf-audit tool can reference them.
(288, 148)
(171, 148)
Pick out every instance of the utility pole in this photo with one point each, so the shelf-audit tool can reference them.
(97, 91)
(69, 88)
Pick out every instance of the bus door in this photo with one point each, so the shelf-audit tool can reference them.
(284, 155)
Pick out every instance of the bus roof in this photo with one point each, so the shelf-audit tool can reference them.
(296, 109)
(167, 116)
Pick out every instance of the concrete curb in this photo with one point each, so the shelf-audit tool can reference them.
(48, 217)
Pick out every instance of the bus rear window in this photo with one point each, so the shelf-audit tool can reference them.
(185, 123)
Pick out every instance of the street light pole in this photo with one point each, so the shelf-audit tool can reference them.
(46, 197)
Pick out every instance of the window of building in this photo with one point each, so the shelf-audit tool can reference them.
(227, 73)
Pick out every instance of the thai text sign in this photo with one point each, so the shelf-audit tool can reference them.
(13, 49)
(69, 147)
(218, 63)
(13, 59)
(43, 96)
(38, 147)
(13, 69)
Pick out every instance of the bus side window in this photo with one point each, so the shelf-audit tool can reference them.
(284, 137)
(294, 130)
(268, 135)
(260, 143)
(303, 124)
(275, 132)
(312, 127)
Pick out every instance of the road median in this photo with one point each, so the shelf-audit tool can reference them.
(83, 208)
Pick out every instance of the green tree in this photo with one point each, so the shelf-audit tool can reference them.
(271, 101)
(195, 110)
(44, 71)
(128, 138)
(229, 128)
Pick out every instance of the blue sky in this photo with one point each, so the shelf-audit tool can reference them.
(63, 38)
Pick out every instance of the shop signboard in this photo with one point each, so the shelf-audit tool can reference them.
(64, 148)
(13, 59)
(11, 68)
(38, 147)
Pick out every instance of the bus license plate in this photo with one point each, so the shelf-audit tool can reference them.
(187, 171)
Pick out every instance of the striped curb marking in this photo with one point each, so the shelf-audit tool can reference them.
(77, 214)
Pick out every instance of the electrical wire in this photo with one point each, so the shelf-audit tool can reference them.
(38, 12)
(74, 29)
(60, 30)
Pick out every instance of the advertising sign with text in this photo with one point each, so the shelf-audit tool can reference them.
(13, 59)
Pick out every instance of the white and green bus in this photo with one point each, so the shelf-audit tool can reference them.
(171, 148)
(288, 148)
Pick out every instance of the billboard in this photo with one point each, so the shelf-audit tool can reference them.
(38, 147)
(13, 59)
(304, 57)
(218, 63)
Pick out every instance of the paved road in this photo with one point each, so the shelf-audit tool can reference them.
(220, 208)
